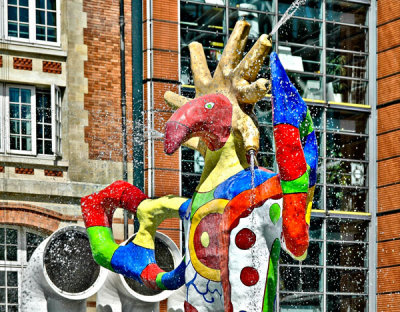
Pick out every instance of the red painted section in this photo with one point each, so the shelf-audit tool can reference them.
(189, 308)
(240, 206)
(149, 275)
(213, 125)
(98, 208)
(245, 239)
(289, 152)
(294, 226)
(209, 255)
(249, 276)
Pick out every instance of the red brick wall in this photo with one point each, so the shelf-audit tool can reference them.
(388, 128)
(102, 69)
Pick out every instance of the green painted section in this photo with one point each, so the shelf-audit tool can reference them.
(270, 293)
(300, 185)
(275, 213)
(159, 282)
(102, 244)
(306, 127)
(199, 199)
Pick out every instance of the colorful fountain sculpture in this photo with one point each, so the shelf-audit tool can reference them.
(239, 216)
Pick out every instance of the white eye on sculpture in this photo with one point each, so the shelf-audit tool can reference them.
(209, 105)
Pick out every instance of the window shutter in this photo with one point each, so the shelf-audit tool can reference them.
(56, 119)
(2, 110)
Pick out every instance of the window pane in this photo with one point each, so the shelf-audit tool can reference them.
(263, 111)
(345, 12)
(40, 17)
(300, 302)
(23, 2)
(51, 18)
(309, 86)
(346, 91)
(347, 254)
(347, 199)
(202, 17)
(301, 31)
(11, 237)
(12, 13)
(14, 127)
(24, 30)
(12, 308)
(316, 231)
(342, 280)
(23, 15)
(318, 199)
(260, 23)
(347, 37)
(346, 64)
(14, 95)
(347, 230)
(40, 33)
(51, 4)
(48, 147)
(311, 9)
(189, 183)
(26, 127)
(266, 139)
(12, 295)
(25, 96)
(12, 278)
(47, 132)
(33, 239)
(47, 116)
(26, 144)
(12, 253)
(304, 279)
(40, 4)
(2, 234)
(12, 1)
(2, 278)
(265, 5)
(301, 58)
(14, 143)
(2, 295)
(51, 34)
(12, 29)
(346, 146)
(347, 303)
(2, 252)
(346, 173)
(266, 160)
(26, 112)
(347, 121)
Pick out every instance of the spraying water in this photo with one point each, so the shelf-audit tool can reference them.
(252, 155)
(288, 14)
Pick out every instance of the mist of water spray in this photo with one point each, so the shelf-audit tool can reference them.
(288, 14)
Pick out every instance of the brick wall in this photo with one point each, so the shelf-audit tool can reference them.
(388, 129)
(102, 70)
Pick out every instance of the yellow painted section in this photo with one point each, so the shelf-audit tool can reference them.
(318, 210)
(151, 212)
(310, 196)
(354, 213)
(214, 206)
(350, 104)
(312, 100)
(205, 239)
(219, 166)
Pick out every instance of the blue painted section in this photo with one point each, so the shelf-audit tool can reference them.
(175, 278)
(130, 260)
(310, 148)
(183, 209)
(241, 182)
(289, 107)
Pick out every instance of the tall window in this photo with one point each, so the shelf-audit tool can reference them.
(36, 21)
(17, 245)
(324, 48)
(30, 121)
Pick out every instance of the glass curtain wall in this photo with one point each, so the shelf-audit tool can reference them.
(325, 49)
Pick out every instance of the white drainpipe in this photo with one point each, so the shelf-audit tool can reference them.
(117, 296)
(66, 251)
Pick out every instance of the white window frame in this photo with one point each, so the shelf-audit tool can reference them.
(22, 256)
(56, 126)
(56, 119)
(33, 119)
(32, 24)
